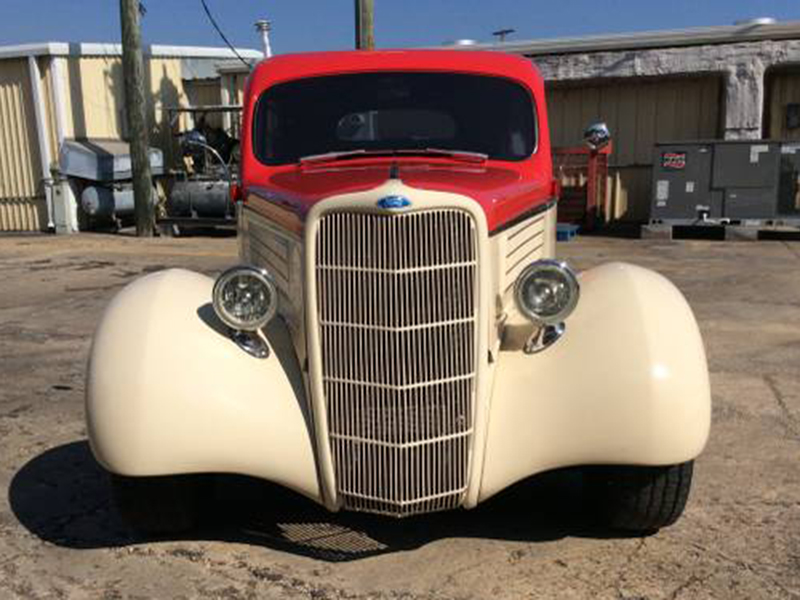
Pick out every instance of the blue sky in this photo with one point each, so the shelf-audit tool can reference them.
(328, 24)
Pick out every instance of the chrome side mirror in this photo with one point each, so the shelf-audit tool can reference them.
(597, 136)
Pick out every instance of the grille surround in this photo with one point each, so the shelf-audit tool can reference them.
(397, 424)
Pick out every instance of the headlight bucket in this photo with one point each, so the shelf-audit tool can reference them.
(547, 291)
(245, 297)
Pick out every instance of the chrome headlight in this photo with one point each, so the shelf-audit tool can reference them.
(245, 298)
(547, 291)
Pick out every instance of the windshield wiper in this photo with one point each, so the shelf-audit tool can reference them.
(346, 154)
(457, 154)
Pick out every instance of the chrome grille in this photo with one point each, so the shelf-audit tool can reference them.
(396, 302)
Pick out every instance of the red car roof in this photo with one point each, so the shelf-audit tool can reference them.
(505, 189)
(297, 66)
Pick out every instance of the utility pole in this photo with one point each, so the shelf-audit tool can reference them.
(365, 26)
(135, 105)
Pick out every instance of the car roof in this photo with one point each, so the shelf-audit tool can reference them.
(287, 67)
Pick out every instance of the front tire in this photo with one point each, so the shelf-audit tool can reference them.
(161, 505)
(639, 499)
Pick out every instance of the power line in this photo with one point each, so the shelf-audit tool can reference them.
(222, 35)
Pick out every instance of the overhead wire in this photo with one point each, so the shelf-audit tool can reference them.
(222, 35)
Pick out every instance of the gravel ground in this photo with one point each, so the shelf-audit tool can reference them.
(60, 536)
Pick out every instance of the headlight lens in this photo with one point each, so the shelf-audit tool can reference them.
(547, 291)
(245, 298)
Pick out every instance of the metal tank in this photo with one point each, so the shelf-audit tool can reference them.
(99, 170)
(197, 198)
(107, 202)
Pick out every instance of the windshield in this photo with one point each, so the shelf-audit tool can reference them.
(394, 111)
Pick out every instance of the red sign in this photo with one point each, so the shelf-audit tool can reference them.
(674, 161)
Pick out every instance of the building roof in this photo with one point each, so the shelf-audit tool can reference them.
(81, 49)
(235, 66)
(695, 36)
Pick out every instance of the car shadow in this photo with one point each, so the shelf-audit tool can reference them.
(63, 497)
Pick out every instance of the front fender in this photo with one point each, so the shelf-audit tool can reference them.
(169, 392)
(626, 384)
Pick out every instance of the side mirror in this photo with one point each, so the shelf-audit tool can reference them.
(597, 136)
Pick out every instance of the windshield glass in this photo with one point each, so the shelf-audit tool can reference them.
(394, 111)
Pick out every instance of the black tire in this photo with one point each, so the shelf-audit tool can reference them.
(162, 505)
(638, 499)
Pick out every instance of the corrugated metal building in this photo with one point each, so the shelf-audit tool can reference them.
(726, 82)
(55, 91)
(639, 114)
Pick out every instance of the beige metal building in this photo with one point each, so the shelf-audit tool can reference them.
(726, 82)
(55, 91)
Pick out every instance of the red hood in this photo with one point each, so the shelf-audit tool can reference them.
(503, 193)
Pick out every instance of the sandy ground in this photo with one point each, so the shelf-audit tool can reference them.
(60, 536)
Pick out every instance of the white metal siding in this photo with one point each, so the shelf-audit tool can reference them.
(22, 206)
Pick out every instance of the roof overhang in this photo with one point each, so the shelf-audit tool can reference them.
(235, 66)
(695, 36)
(154, 50)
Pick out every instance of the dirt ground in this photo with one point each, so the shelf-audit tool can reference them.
(60, 536)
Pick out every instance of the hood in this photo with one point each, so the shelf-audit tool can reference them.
(503, 193)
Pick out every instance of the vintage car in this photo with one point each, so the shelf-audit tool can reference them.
(399, 337)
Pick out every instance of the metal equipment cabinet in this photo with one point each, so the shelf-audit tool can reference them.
(682, 182)
(725, 181)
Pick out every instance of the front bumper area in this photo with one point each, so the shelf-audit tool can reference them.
(169, 392)
(627, 384)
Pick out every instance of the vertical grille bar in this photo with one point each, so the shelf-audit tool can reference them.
(396, 301)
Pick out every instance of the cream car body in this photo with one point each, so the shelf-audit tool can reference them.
(170, 392)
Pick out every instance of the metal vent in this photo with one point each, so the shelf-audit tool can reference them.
(396, 297)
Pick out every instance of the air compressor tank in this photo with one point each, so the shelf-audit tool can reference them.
(101, 202)
(198, 198)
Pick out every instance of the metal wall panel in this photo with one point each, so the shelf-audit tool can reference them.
(205, 92)
(96, 99)
(94, 107)
(234, 84)
(783, 88)
(46, 69)
(167, 89)
(639, 114)
(21, 194)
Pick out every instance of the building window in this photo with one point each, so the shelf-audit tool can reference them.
(793, 116)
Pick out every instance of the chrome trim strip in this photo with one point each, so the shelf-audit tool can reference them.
(528, 214)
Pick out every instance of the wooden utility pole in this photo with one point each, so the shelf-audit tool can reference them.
(135, 107)
(365, 27)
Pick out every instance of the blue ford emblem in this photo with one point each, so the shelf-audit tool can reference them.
(394, 202)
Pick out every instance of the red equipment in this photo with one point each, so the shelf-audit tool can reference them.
(583, 177)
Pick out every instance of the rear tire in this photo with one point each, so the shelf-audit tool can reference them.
(161, 505)
(639, 499)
